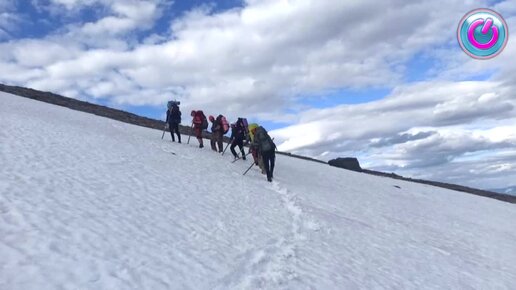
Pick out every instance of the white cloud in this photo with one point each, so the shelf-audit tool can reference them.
(128, 16)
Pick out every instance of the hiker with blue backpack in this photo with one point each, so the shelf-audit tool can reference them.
(174, 119)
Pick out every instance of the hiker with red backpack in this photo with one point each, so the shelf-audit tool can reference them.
(238, 135)
(216, 133)
(199, 123)
(267, 149)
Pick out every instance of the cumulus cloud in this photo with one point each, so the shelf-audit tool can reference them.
(268, 50)
(400, 139)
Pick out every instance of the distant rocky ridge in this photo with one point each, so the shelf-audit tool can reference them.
(157, 124)
(98, 110)
(511, 190)
(456, 187)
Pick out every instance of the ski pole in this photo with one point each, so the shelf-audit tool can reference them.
(190, 135)
(164, 129)
(226, 147)
(252, 164)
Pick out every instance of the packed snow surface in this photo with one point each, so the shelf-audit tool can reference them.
(91, 203)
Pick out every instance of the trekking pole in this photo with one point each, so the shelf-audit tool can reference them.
(190, 135)
(164, 129)
(252, 164)
(226, 147)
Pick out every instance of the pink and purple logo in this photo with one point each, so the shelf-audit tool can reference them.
(482, 33)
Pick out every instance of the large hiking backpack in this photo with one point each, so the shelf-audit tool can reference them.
(250, 130)
(175, 114)
(224, 123)
(171, 104)
(204, 124)
(265, 142)
(244, 124)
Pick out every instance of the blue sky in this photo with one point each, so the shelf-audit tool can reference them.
(320, 90)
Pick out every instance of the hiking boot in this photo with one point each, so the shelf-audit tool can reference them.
(201, 146)
(269, 179)
(243, 157)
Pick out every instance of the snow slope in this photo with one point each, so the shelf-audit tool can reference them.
(91, 203)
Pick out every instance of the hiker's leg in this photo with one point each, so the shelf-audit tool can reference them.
(212, 141)
(171, 129)
(266, 159)
(219, 142)
(273, 162)
(198, 134)
(261, 163)
(232, 148)
(240, 144)
(176, 129)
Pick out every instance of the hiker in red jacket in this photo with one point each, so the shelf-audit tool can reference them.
(199, 123)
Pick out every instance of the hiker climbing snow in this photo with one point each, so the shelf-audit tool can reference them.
(263, 143)
(238, 135)
(199, 123)
(216, 133)
(174, 119)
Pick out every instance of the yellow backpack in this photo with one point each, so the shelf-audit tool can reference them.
(251, 127)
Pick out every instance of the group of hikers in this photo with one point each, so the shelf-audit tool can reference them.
(261, 146)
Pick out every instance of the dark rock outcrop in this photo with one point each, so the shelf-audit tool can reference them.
(349, 163)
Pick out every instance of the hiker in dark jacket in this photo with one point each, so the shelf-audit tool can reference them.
(216, 133)
(238, 136)
(173, 120)
(267, 149)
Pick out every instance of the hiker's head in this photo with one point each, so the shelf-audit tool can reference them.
(211, 118)
(192, 113)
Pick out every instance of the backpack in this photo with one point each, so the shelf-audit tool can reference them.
(265, 142)
(204, 124)
(171, 104)
(250, 129)
(242, 122)
(224, 123)
(175, 114)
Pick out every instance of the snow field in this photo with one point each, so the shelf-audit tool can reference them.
(92, 203)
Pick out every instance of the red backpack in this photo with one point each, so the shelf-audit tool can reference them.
(200, 116)
(224, 123)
